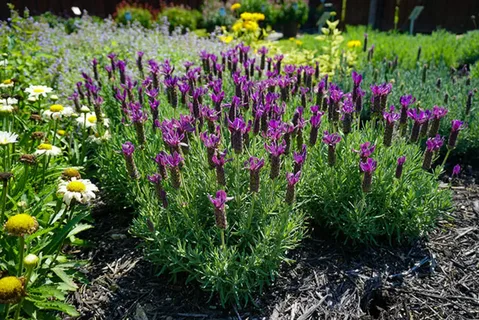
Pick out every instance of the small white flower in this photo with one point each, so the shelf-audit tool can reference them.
(97, 139)
(81, 190)
(32, 99)
(57, 111)
(89, 120)
(3, 63)
(36, 91)
(48, 149)
(54, 97)
(7, 138)
(6, 83)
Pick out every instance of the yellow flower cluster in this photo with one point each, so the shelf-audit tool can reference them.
(248, 21)
(247, 16)
(354, 44)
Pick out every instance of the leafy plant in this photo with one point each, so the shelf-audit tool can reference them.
(181, 17)
(127, 12)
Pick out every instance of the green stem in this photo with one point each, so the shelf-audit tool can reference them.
(445, 158)
(4, 202)
(21, 248)
(223, 244)
(55, 127)
(7, 311)
(57, 253)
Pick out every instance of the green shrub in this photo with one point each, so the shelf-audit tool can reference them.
(266, 7)
(181, 17)
(395, 209)
(130, 12)
(293, 10)
(215, 13)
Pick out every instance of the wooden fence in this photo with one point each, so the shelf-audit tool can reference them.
(453, 15)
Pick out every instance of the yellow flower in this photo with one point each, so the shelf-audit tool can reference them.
(21, 224)
(354, 44)
(246, 16)
(299, 42)
(250, 25)
(69, 173)
(11, 290)
(226, 39)
(61, 132)
(235, 6)
(258, 17)
(237, 26)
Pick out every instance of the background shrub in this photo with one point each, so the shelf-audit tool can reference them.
(181, 17)
(130, 12)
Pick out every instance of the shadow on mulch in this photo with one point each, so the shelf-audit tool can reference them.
(436, 278)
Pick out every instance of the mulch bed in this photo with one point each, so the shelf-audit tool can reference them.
(437, 278)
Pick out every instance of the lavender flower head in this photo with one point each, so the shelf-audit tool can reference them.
(439, 112)
(293, 178)
(434, 144)
(369, 166)
(128, 148)
(456, 170)
(390, 116)
(357, 78)
(331, 139)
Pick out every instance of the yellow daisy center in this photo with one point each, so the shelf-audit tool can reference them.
(61, 132)
(38, 90)
(11, 290)
(91, 119)
(45, 146)
(8, 81)
(56, 108)
(20, 224)
(76, 186)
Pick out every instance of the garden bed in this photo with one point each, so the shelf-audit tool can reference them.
(432, 278)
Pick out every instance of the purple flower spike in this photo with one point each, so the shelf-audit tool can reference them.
(174, 160)
(439, 112)
(299, 158)
(456, 170)
(399, 168)
(128, 148)
(220, 200)
(293, 178)
(434, 144)
(407, 100)
(331, 139)
(275, 149)
(254, 164)
(219, 203)
(357, 78)
(390, 116)
(365, 150)
(456, 126)
(369, 165)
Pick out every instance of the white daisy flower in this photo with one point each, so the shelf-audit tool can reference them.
(7, 138)
(6, 83)
(48, 149)
(36, 91)
(89, 120)
(6, 105)
(57, 111)
(81, 190)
